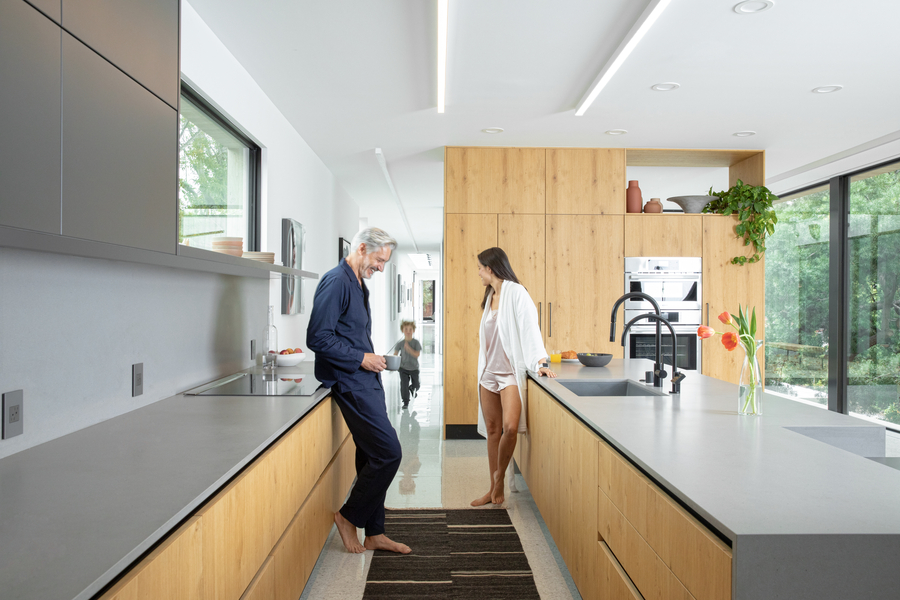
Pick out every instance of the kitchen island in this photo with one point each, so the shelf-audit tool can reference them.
(222, 487)
(787, 502)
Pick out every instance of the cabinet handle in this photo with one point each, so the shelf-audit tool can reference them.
(707, 314)
(549, 319)
(540, 323)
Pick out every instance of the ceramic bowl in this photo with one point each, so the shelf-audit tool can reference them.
(289, 360)
(590, 359)
(692, 204)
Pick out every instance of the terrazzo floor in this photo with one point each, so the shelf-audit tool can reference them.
(438, 473)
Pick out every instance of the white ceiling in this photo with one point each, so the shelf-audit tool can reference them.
(355, 75)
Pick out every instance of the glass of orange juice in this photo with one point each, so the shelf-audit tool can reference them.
(556, 356)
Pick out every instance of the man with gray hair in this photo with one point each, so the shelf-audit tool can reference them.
(340, 333)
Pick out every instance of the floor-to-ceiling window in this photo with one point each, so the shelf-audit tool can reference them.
(797, 297)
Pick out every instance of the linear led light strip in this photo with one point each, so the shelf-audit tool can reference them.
(387, 176)
(640, 28)
(442, 53)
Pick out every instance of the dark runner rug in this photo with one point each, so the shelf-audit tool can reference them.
(455, 554)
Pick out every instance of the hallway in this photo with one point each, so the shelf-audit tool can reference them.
(438, 473)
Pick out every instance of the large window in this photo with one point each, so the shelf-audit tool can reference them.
(218, 177)
(797, 297)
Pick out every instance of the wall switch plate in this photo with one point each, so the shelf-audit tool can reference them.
(137, 379)
(252, 349)
(13, 415)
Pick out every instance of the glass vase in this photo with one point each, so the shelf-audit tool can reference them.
(750, 384)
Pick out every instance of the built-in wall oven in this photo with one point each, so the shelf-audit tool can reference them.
(676, 285)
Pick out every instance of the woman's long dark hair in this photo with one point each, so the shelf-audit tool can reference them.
(496, 260)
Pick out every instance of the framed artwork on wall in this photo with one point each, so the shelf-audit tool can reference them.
(343, 248)
(399, 293)
(394, 295)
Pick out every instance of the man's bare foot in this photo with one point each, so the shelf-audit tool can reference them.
(383, 542)
(348, 534)
(499, 483)
(486, 499)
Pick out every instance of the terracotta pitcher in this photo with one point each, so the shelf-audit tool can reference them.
(633, 197)
(654, 206)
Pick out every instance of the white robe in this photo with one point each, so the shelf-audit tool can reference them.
(520, 337)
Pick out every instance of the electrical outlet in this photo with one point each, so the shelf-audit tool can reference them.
(137, 379)
(13, 414)
(252, 349)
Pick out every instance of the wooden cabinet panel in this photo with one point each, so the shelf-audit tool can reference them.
(663, 235)
(494, 180)
(585, 266)
(645, 568)
(464, 238)
(30, 128)
(613, 580)
(173, 570)
(724, 287)
(119, 182)
(522, 238)
(588, 181)
(263, 585)
(139, 37)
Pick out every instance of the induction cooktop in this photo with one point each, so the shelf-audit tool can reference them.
(251, 384)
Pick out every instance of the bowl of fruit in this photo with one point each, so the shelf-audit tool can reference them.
(289, 357)
(592, 359)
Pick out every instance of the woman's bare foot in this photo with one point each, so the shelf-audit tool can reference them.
(499, 483)
(383, 542)
(486, 499)
(348, 534)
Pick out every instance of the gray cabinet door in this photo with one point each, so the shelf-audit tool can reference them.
(138, 36)
(51, 8)
(29, 118)
(120, 153)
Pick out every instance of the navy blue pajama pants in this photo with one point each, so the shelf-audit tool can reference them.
(378, 456)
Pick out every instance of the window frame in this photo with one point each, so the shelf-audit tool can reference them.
(254, 192)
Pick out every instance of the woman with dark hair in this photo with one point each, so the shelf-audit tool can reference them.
(510, 344)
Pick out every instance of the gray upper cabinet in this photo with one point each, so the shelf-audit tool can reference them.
(119, 171)
(30, 119)
(51, 8)
(138, 36)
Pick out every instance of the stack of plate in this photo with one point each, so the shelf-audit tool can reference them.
(228, 245)
(266, 257)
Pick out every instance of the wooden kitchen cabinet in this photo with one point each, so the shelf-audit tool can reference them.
(724, 287)
(522, 237)
(494, 180)
(585, 267)
(663, 235)
(263, 585)
(585, 181)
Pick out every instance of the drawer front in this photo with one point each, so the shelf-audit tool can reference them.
(645, 568)
(700, 560)
(614, 581)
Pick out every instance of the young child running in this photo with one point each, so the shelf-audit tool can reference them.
(409, 351)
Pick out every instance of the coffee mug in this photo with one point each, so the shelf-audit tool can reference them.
(393, 362)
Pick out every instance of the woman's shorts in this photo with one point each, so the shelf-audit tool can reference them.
(494, 383)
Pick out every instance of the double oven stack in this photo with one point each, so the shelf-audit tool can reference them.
(675, 284)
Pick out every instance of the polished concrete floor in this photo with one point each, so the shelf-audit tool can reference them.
(438, 473)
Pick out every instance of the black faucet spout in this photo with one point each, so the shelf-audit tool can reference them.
(658, 371)
(629, 295)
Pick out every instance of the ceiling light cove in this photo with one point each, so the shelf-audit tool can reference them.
(743, 133)
(827, 89)
(638, 31)
(752, 7)
(492, 130)
(617, 132)
(442, 53)
(665, 87)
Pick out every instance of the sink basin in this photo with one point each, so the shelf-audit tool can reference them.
(609, 387)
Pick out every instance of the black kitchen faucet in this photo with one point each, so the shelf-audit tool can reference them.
(657, 367)
(658, 372)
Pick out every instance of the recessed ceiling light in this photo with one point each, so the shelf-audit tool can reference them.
(617, 132)
(827, 89)
(493, 130)
(665, 87)
(743, 133)
(751, 7)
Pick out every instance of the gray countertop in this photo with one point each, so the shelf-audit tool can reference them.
(78, 510)
(745, 475)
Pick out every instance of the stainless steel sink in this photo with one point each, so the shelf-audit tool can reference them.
(609, 387)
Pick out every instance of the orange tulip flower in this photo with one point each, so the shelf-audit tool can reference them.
(730, 340)
(725, 317)
(704, 332)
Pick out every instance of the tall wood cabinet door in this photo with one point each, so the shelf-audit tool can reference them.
(663, 235)
(522, 238)
(465, 237)
(585, 263)
(724, 287)
(494, 180)
(589, 181)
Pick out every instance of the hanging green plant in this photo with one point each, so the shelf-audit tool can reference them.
(753, 206)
